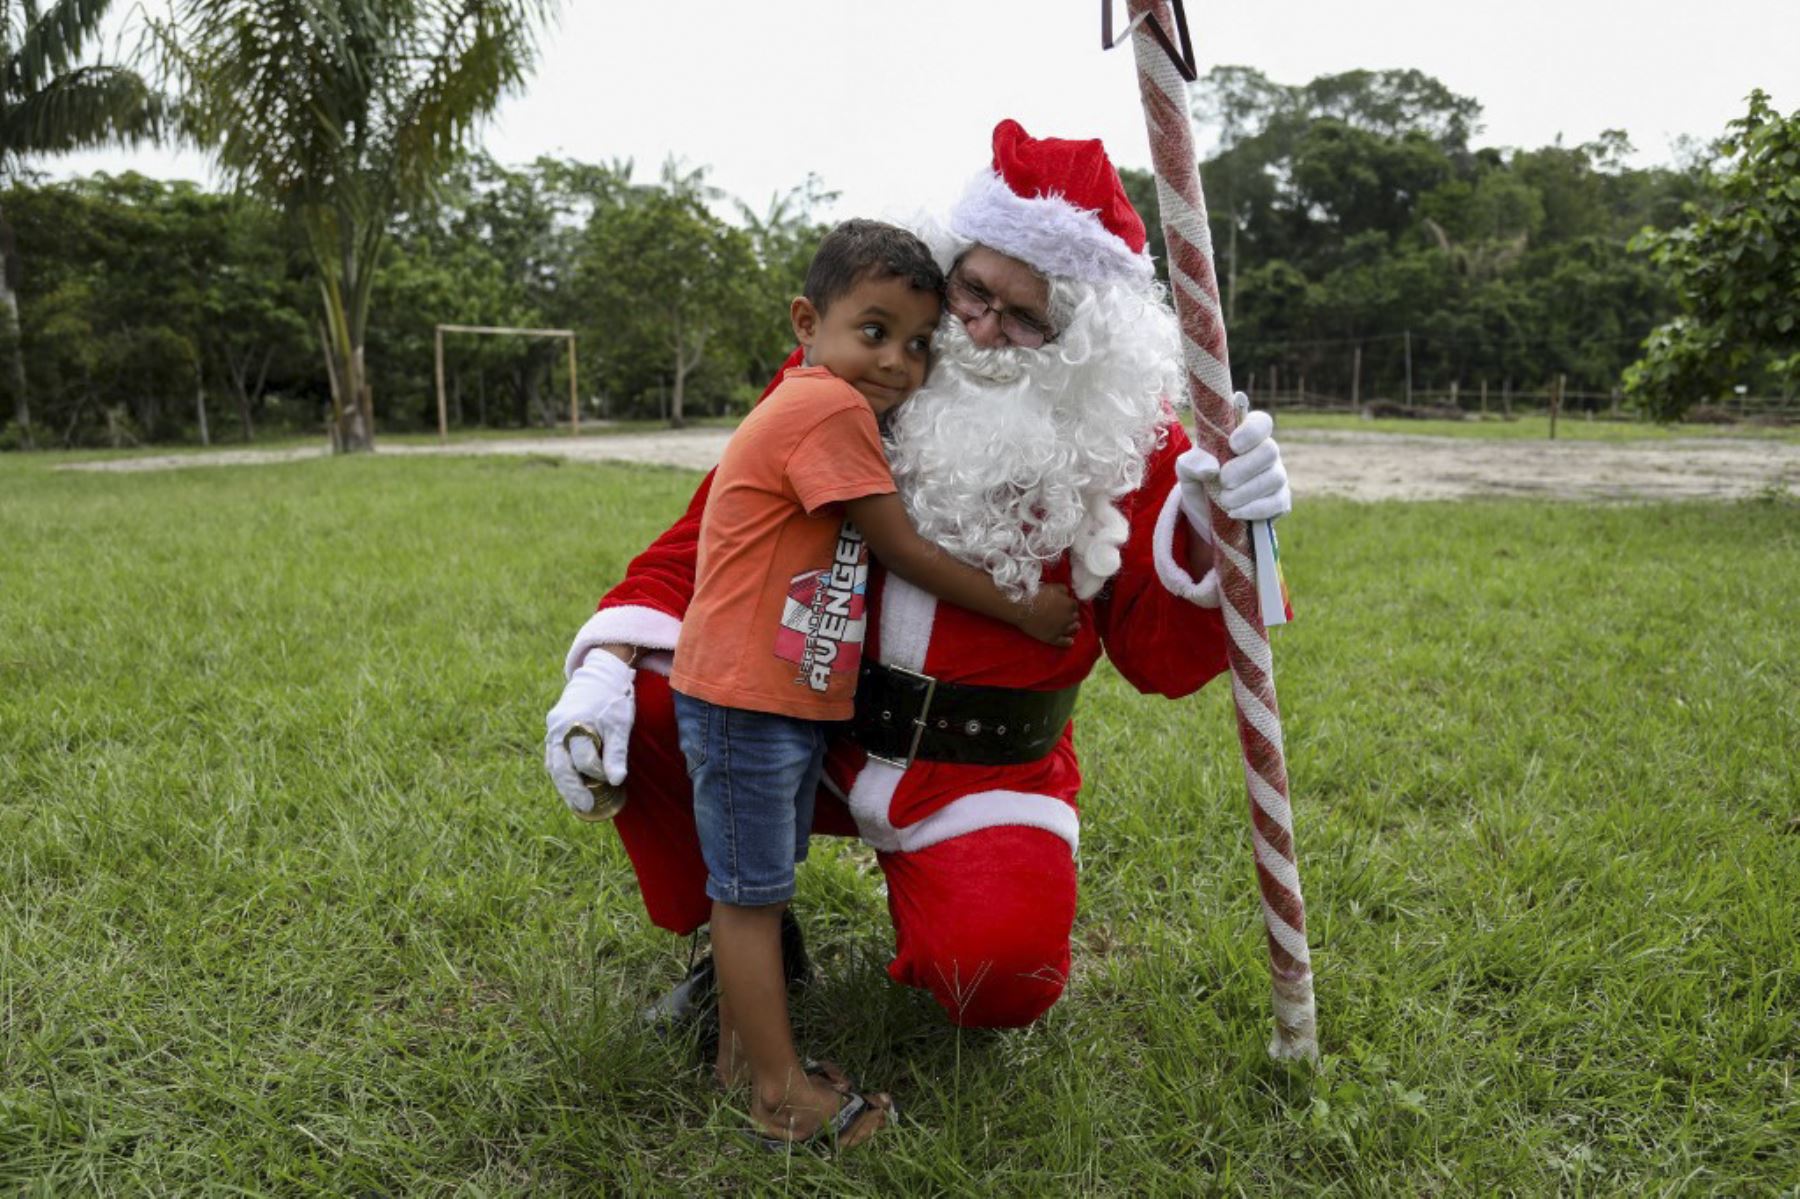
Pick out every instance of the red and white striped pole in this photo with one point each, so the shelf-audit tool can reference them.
(1196, 292)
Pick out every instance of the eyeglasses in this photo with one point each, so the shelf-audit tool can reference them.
(971, 303)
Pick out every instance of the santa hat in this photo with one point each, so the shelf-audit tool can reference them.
(1056, 205)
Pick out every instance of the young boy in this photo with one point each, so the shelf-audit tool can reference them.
(770, 645)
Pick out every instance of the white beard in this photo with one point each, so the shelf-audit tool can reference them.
(1009, 458)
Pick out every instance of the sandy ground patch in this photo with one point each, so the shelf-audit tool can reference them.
(1362, 466)
(1386, 466)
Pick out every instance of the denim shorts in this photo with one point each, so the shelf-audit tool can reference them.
(754, 776)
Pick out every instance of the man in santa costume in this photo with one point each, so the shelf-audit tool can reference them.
(1042, 448)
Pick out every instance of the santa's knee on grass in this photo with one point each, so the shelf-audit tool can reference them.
(982, 921)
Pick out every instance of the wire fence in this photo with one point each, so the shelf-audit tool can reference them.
(1504, 402)
(1414, 373)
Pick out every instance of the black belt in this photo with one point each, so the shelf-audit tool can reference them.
(902, 715)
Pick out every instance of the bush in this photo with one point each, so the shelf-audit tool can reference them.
(1736, 268)
(1683, 365)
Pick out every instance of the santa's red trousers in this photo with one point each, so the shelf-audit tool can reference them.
(981, 920)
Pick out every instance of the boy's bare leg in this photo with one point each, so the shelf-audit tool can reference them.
(754, 1027)
(731, 1067)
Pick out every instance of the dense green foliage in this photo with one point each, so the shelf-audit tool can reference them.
(141, 293)
(288, 906)
(54, 97)
(1353, 210)
(1349, 214)
(343, 117)
(143, 289)
(677, 311)
(1735, 265)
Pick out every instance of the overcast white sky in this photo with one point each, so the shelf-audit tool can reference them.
(891, 101)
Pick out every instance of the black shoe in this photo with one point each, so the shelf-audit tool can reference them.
(796, 967)
(696, 996)
(684, 1002)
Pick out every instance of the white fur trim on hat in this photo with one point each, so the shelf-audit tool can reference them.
(1046, 232)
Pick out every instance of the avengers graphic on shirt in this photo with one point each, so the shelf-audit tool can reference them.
(822, 623)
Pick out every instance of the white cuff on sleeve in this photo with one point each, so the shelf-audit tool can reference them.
(643, 627)
(1174, 575)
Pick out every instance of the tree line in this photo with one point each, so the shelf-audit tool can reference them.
(154, 311)
(1364, 245)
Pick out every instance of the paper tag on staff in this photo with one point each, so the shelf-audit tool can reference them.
(1271, 588)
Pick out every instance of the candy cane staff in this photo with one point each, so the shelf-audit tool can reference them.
(1162, 84)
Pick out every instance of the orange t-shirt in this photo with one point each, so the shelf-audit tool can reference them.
(776, 623)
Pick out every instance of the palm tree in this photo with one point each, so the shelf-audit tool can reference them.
(787, 219)
(51, 102)
(344, 113)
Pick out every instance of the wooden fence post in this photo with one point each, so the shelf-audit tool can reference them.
(1556, 399)
(574, 405)
(1356, 378)
(443, 421)
(1409, 396)
(1484, 399)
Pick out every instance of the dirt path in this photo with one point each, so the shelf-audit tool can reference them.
(1363, 466)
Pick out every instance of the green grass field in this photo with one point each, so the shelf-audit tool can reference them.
(288, 906)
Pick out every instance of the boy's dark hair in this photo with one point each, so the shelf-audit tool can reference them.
(857, 250)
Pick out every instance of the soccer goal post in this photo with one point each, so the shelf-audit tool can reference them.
(567, 335)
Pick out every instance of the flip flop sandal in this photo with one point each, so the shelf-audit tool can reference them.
(825, 1137)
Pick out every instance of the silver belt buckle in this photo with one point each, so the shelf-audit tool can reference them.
(912, 747)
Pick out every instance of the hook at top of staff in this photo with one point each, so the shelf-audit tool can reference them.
(1183, 60)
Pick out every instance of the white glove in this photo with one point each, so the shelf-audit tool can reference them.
(601, 694)
(1252, 486)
